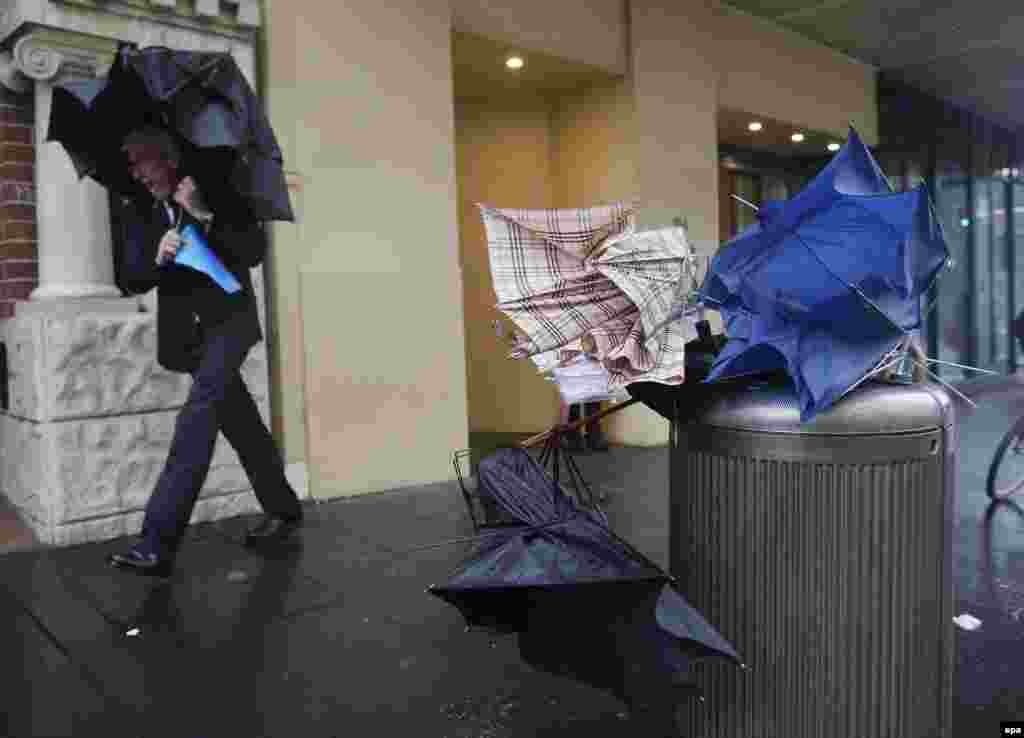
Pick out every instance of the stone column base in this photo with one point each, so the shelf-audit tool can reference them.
(88, 480)
(90, 421)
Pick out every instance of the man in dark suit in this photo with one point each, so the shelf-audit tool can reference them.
(205, 331)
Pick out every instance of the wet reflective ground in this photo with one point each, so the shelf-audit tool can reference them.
(989, 554)
(334, 635)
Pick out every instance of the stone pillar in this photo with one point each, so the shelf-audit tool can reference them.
(90, 413)
(72, 216)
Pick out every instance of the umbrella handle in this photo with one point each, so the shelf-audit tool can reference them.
(541, 437)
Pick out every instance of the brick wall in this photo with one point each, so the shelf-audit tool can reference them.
(19, 265)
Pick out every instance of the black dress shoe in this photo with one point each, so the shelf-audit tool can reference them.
(272, 529)
(146, 564)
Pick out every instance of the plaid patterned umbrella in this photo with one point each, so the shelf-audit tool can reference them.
(564, 275)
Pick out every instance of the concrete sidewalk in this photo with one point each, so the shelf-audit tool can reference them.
(333, 636)
(336, 636)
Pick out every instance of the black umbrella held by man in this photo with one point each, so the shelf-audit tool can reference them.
(203, 100)
(179, 139)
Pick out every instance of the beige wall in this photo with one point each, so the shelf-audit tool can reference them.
(689, 58)
(360, 94)
(374, 260)
(596, 158)
(569, 151)
(675, 85)
(504, 158)
(279, 75)
(589, 31)
(595, 146)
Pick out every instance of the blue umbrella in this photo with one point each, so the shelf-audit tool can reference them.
(828, 283)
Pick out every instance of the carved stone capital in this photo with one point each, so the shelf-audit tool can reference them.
(48, 53)
(11, 77)
(242, 14)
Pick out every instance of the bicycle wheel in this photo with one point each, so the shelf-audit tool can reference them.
(1006, 473)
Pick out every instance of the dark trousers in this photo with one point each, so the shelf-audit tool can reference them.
(218, 401)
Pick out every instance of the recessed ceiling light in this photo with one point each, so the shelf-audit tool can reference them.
(754, 126)
(514, 62)
(797, 137)
(834, 146)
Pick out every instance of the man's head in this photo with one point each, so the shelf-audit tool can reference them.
(153, 158)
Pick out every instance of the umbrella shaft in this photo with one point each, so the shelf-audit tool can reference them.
(541, 437)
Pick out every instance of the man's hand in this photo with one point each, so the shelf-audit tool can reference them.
(168, 248)
(188, 196)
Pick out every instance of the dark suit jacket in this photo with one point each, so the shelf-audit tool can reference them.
(183, 294)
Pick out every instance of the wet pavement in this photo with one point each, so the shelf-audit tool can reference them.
(335, 635)
(989, 573)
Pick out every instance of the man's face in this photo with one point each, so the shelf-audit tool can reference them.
(158, 175)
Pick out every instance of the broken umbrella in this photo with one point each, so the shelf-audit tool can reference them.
(584, 603)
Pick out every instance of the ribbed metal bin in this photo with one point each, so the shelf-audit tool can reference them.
(823, 552)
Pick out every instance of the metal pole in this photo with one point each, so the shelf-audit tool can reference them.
(1011, 264)
(992, 297)
(934, 317)
(541, 437)
(972, 261)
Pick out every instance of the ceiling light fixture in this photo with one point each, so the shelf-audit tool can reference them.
(833, 146)
(514, 62)
(797, 137)
(754, 126)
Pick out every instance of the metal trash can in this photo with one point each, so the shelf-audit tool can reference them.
(823, 551)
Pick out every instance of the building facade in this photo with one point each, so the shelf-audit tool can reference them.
(394, 119)
(973, 169)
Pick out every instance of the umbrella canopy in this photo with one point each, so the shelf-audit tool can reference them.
(828, 283)
(676, 402)
(203, 100)
(578, 374)
(565, 274)
(584, 602)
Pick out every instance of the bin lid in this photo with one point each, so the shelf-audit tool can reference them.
(875, 408)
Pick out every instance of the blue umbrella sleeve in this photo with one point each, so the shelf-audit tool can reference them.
(196, 254)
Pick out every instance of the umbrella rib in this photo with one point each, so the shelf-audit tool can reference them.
(947, 267)
(857, 290)
(944, 383)
(878, 369)
(203, 68)
(483, 536)
(939, 273)
(963, 366)
(747, 203)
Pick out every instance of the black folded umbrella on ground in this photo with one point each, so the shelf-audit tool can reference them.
(203, 100)
(585, 603)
